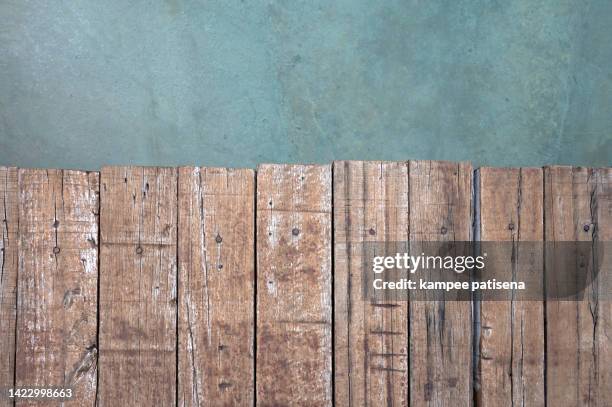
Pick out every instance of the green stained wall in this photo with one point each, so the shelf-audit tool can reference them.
(235, 83)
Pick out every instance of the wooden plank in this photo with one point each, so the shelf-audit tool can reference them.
(8, 277)
(57, 282)
(441, 331)
(578, 205)
(371, 337)
(138, 304)
(294, 309)
(512, 332)
(216, 286)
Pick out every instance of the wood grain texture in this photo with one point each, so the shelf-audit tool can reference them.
(441, 331)
(216, 287)
(371, 336)
(294, 333)
(512, 332)
(138, 303)
(578, 207)
(9, 213)
(57, 282)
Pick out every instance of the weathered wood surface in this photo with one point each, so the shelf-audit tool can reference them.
(216, 287)
(578, 207)
(511, 365)
(9, 213)
(57, 282)
(371, 337)
(440, 331)
(186, 316)
(138, 293)
(294, 286)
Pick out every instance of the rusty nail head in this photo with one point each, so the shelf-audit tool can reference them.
(56, 250)
(139, 250)
(372, 231)
(586, 228)
(295, 231)
(443, 230)
(511, 226)
(218, 239)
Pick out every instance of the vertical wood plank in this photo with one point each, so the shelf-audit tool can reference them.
(371, 337)
(441, 331)
(601, 296)
(512, 332)
(578, 206)
(294, 310)
(8, 277)
(138, 304)
(57, 282)
(216, 286)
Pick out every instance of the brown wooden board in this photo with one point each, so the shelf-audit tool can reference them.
(440, 331)
(57, 282)
(138, 303)
(512, 332)
(371, 336)
(9, 213)
(179, 289)
(216, 287)
(294, 286)
(578, 207)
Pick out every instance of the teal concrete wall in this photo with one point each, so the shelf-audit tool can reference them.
(239, 82)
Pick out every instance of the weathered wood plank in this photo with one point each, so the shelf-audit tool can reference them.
(9, 213)
(578, 207)
(138, 304)
(512, 332)
(57, 282)
(441, 331)
(216, 287)
(294, 314)
(371, 337)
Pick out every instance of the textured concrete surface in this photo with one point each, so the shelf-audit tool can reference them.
(235, 83)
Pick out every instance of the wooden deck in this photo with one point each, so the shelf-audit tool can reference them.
(219, 287)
